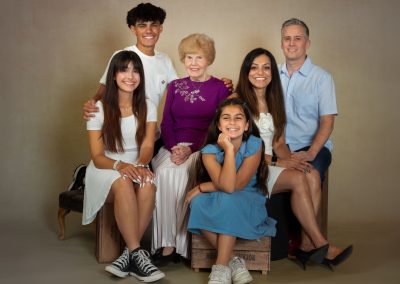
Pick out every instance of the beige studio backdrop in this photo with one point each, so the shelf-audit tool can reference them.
(54, 52)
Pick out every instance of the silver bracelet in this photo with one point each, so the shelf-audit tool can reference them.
(141, 165)
(115, 165)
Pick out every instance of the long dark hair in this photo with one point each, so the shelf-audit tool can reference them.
(111, 131)
(198, 173)
(273, 93)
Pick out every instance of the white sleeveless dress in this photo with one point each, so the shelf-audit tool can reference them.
(98, 181)
(265, 124)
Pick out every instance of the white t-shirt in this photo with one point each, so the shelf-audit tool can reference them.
(158, 72)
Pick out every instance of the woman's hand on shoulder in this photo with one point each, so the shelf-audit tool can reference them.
(228, 84)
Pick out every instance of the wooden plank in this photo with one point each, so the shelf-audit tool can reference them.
(255, 253)
(322, 216)
(109, 242)
(255, 260)
(264, 244)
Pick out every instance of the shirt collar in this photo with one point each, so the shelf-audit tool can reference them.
(304, 69)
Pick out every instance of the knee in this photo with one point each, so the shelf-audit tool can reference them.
(298, 182)
(314, 179)
(122, 188)
(148, 191)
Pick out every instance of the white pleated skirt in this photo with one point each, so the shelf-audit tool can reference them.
(171, 180)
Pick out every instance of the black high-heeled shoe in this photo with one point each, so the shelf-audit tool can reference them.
(315, 255)
(339, 258)
(159, 259)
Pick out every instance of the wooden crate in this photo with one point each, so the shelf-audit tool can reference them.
(109, 242)
(322, 217)
(255, 253)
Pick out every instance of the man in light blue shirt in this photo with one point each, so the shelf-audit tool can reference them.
(310, 99)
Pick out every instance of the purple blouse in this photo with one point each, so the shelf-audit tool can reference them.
(189, 109)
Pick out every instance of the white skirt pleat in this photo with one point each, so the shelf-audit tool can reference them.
(171, 180)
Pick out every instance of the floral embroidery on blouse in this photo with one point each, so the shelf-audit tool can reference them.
(182, 88)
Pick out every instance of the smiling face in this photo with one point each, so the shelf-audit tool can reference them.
(127, 80)
(294, 43)
(147, 34)
(196, 66)
(233, 122)
(260, 74)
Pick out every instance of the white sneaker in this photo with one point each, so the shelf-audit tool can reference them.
(220, 274)
(240, 274)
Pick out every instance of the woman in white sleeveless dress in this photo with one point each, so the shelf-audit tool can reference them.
(260, 87)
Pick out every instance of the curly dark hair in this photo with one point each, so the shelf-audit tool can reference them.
(145, 12)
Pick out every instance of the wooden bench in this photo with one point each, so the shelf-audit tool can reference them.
(255, 253)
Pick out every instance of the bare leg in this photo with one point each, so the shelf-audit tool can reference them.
(145, 202)
(211, 237)
(126, 211)
(301, 202)
(314, 185)
(226, 244)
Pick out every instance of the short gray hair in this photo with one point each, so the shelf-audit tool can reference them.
(296, 22)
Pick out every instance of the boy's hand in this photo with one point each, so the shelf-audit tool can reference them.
(88, 108)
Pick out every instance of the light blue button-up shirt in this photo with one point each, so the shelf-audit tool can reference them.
(309, 93)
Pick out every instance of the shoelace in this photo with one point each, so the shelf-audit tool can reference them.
(218, 273)
(237, 264)
(123, 260)
(144, 262)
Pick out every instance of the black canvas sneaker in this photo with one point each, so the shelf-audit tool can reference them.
(78, 180)
(120, 267)
(142, 268)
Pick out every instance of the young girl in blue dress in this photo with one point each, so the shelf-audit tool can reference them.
(229, 199)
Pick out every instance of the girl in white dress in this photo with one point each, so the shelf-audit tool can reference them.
(260, 87)
(121, 139)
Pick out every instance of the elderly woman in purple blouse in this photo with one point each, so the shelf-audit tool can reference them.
(189, 108)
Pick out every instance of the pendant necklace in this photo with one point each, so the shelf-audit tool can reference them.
(197, 85)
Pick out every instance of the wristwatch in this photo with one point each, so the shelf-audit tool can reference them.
(274, 159)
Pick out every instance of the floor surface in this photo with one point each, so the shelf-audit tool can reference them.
(32, 254)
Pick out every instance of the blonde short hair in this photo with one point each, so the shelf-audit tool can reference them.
(197, 42)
